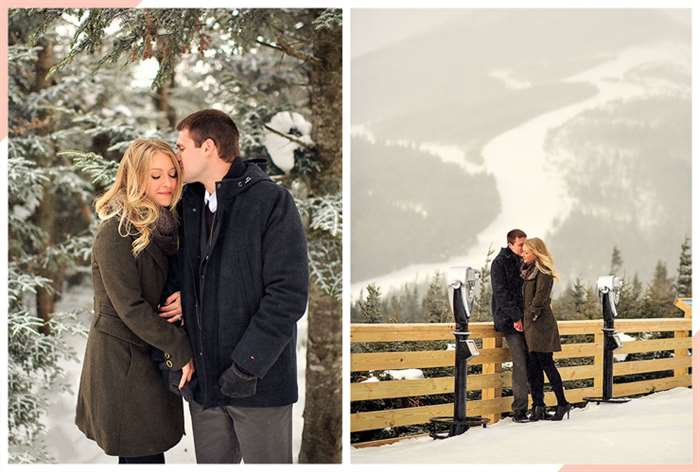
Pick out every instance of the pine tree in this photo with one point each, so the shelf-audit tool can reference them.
(435, 305)
(482, 307)
(575, 302)
(630, 304)
(659, 295)
(615, 262)
(684, 281)
(371, 307)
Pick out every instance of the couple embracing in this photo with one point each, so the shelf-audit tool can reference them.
(522, 276)
(200, 274)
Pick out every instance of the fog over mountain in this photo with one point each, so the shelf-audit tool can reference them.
(571, 124)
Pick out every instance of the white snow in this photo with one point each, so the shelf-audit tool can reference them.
(507, 78)
(655, 429)
(405, 374)
(65, 442)
(625, 338)
(280, 148)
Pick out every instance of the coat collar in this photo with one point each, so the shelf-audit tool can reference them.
(241, 176)
(506, 252)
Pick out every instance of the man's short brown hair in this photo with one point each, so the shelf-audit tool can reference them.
(217, 126)
(514, 234)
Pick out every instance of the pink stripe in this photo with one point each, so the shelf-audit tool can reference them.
(39, 4)
(3, 72)
(660, 467)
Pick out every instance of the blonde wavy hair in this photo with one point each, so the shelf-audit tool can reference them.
(127, 198)
(543, 259)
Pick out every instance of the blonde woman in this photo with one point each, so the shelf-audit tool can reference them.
(541, 331)
(123, 404)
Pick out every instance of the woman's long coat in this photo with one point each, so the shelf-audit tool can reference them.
(541, 335)
(123, 404)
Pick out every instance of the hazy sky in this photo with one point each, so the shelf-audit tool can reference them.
(374, 29)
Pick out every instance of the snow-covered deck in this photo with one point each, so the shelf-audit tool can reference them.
(654, 429)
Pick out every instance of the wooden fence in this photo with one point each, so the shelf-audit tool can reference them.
(493, 379)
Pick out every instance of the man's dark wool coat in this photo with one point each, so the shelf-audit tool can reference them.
(541, 335)
(122, 402)
(243, 292)
(507, 297)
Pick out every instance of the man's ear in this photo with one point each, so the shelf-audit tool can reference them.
(209, 147)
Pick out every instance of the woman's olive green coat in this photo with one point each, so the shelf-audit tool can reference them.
(122, 403)
(541, 335)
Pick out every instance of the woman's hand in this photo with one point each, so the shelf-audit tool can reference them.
(187, 372)
(172, 309)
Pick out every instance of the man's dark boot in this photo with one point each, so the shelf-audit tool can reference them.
(539, 413)
(520, 417)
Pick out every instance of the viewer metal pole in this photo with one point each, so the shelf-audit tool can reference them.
(609, 292)
(462, 290)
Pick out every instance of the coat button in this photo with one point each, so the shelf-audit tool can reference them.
(169, 364)
(167, 356)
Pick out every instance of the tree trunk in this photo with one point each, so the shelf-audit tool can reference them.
(321, 439)
(323, 414)
(162, 102)
(45, 301)
(45, 213)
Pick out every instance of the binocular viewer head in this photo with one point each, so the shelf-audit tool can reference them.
(463, 276)
(465, 282)
(610, 283)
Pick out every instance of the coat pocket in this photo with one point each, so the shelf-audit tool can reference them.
(246, 287)
(115, 327)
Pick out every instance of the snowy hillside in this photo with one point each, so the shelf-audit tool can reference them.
(66, 444)
(656, 429)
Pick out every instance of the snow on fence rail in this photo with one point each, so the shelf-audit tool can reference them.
(492, 379)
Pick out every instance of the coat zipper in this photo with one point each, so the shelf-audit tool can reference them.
(200, 307)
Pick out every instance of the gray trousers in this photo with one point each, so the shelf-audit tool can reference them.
(518, 352)
(225, 435)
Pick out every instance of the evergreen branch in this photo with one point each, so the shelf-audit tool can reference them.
(100, 170)
(289, 137)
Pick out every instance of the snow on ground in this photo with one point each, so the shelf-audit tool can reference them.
(66, 444)
(405, 374)
(655, 429)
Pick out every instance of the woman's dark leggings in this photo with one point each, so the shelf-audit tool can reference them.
(154, 459)
(538, 364)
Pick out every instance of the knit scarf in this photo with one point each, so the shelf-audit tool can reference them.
(164, 234)
(528, 271)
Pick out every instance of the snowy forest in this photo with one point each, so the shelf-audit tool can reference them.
(82, 85)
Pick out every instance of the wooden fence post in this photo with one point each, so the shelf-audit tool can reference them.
(678, 353)
(598, 340)
(492, 368)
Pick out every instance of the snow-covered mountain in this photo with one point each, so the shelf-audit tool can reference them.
(573, 125)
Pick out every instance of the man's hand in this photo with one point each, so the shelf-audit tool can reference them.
(236, 383)
(187, 372)
(172, 309)
(518, 325)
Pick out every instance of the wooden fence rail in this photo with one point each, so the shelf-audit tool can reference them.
(493, 378)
